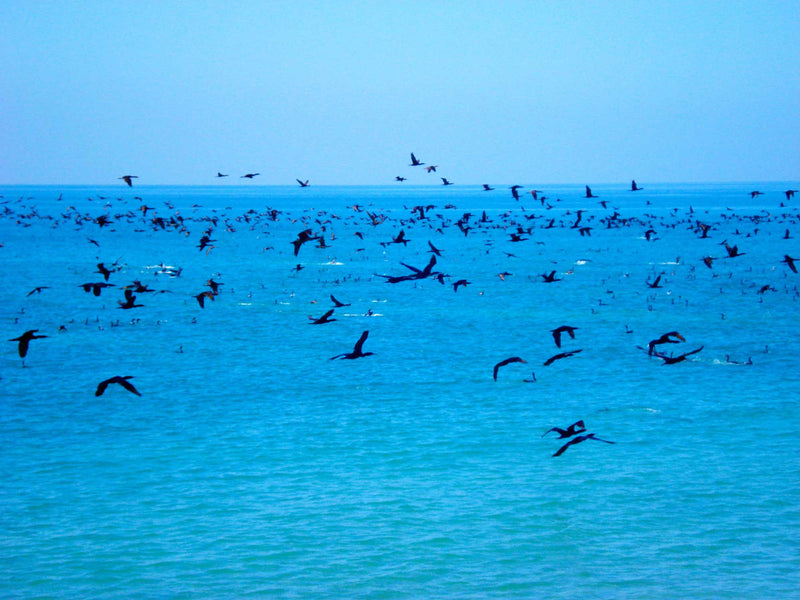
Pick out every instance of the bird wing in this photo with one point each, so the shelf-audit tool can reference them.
(127, 385)
(101, 387)
(360, 342)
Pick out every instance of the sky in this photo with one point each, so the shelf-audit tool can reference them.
(341, 92)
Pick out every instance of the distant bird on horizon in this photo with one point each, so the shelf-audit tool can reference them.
(303, 183)
(357, 349)
(415, 162)
(445, 181)
(515, 191)
(250, 175)
(634, 187)
(221, 174)
(790, 193)
(589, 193)
(121, 380)
(503, 363)
(128, 179)
(487, 187)
(398, 178)
(578, 440)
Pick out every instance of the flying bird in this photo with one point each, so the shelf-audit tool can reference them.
(563, 329)
(574, 429)
(552, 359)
(24, 340)
(323, 319)
(578, 440)
(505, 362)
(671, 337)
(303, 183)
(123, 381)
(789, 262)
(415, 162)
(249, 175)
(357, 349)
(127, 179)
(336, 303)
(634, 187)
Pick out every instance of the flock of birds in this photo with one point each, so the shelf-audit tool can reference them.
(318, 228)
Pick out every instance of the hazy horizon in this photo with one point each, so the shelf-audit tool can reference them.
(341, 94)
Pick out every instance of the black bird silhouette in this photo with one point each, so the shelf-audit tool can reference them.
(250, 175)
(589, 193)
(563, 329)
(37, 290)
(130, 300)
(578, 440)
(574, 429)
(655, 284)
(460, 283)
(201, 297)
(790, 194)
(303, 237)
(671, 360)
(24, 340)
(505, 362)
(205, 242)
(415, 162)
(95, 288)
(127, 179)
(357, 349)
(671, 337)
(487, 187)
(515, 191)
(398, 178)
(445, 181)
(789, 262)
(104, 271)
(123, 381)
(434, 249)
(336, 303)
(634, 187)
(323, 319)
(552, 359)
(550, 277)
(303, 183)
(221, 174)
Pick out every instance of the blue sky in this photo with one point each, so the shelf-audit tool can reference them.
(341, 92)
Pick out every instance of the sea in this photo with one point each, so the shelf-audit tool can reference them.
(251, 463)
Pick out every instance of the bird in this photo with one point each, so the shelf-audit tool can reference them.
(104, 271)
(667, 338)
(127, 179)
(434, 249)
(336, 303)
(708, 261)
(671, 360)
(505, 362)
(578, 440)
(121, 380)
(431, 168)
(221, 174)
(515, 191)
(789, 262)
(445, 181)
(755, 193)
(487, 187)
(574, 429)
(37, 290)
(201, 297)
(303, 237)
(24, 340)
(398, 178)
(323, 319)
(460, 283)
(95, 288)
(563, 329)
(550, 277)
(654, 284)
(415, 162)
(303, 183)
(790, 194)
(357, 349)
(130, 300)
(552, 359)
(634, 187)
(589, 193)
(249, 175)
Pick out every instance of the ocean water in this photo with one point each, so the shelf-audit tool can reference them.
(252, 465)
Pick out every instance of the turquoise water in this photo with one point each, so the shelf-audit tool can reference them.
(253, 466)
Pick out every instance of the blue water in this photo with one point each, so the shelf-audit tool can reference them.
(253, 466)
